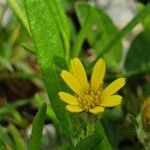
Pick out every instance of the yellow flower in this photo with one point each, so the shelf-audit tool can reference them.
(89, 96)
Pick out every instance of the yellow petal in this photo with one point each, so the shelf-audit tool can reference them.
(113, 87)
(72, 82)
(69, 99)
(111, 101)
(79, 73)
(97, 110)
(98, 74)
(74, 109)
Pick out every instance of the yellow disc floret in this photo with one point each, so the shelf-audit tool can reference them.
(90, 100)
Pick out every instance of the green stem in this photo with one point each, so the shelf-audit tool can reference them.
(130, 73)
(67, 48)
(90, 125)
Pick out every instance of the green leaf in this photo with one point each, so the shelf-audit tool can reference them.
(6, 51)
(50, 54)
(2, 147)
(98, 140)
(63, 23)
(37, 128)
(49, 111)
(138, 56)
(4, 138)
(16, 116)
(101, 31)
(83, 33)
(117, 37)
(28, 48)
(19, 141)
(146, 20)
(19, 13)
(89, 143)
(5, 63)
(105, 144)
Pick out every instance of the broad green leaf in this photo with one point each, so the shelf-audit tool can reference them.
(19, 13)
(101, 132)
(37, 128)
(111, 126)
(100, 33)
(117, 37)
(19, 141)
(49, 53)
(122, 33)
(138, 56)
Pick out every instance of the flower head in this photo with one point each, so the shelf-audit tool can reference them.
(89, 96)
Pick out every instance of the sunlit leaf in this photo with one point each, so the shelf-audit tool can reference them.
(49, 53)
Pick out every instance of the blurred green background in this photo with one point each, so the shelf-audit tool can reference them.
(116, 32)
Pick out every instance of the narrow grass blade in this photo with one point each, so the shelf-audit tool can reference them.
(37, 128)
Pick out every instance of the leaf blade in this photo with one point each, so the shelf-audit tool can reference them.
(101, 31)
(139, 17)
(37, 128)
(50, 54)
(19, 13)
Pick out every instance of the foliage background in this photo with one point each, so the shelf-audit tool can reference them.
(37, 40)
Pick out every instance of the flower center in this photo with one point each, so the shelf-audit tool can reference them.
(90, 99)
